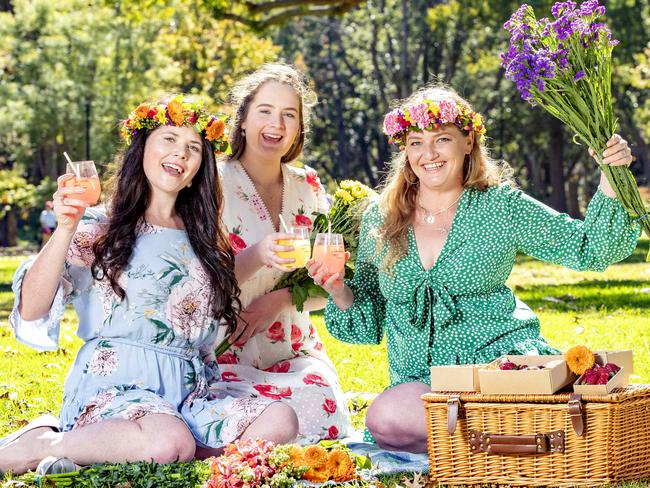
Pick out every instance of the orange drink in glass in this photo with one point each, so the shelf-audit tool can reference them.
(329, 250)
(301, 251)
(85, 176)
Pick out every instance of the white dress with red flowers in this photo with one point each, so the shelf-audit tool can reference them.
(141, 355)
(288, 361)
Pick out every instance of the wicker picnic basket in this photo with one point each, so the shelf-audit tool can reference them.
(539, 440)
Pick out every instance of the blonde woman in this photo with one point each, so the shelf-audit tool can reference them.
(435, 252)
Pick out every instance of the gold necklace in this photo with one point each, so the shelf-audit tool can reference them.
(430, 217)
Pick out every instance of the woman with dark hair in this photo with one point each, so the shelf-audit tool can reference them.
(277, 351)
(151, 279)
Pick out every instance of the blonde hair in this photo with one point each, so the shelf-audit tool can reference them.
(398, 196)
(244, 91)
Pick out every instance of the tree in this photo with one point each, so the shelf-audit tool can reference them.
(261, 15)
(16, 195)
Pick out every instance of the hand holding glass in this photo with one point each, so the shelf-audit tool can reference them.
(300, 242)
(85, 176)
(329, 250)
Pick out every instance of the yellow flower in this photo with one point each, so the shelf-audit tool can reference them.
(433, 108)
(579, 359)
(315, 456)
(161, 116)
(340, 465)
(317, 475)
(342, 194)
(175, 110)
(296, 456)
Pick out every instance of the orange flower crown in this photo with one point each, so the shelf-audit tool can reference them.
(180, 113)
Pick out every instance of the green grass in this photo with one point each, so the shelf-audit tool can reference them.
(601, 310)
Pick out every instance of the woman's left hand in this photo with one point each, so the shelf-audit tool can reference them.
(617, 153)
(259, 314)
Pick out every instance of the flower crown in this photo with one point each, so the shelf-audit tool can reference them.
(179, 113)
(429, 115)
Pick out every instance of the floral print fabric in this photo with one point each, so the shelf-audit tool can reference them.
(287, 362)
(141, 355)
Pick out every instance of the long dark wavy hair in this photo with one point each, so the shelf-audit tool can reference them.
(199, 206)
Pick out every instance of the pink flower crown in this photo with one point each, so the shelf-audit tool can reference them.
(179, 113)
(429, 115)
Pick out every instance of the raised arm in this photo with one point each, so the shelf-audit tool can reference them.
(44, 276)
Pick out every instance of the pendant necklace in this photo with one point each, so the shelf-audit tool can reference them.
(430, 217)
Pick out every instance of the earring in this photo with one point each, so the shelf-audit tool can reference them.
(243, 133)
(189, 185)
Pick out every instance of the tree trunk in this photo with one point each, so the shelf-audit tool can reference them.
(573, 191)
(557, 199)
(8, 230)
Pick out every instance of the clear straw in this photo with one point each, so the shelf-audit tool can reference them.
(284, 226)
(74, 167)
(329, 234)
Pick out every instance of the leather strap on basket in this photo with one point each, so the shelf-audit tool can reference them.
(575, 412)
(516, 444)
(453, 408)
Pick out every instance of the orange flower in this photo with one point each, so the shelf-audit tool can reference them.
(319, 475)
(579, 359)
(296, 457)
(142, 110)
(215, 130)
(315, 456)
(175, 110)
(340, 465)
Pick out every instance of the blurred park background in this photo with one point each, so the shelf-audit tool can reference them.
(71, 69)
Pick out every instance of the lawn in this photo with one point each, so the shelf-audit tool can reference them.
(602, 310)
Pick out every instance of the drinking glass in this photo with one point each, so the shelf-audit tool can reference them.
(85, 176)
(301, 251)
(329, 250)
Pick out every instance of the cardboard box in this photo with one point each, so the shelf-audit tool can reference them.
(537, 381)
(624, 359)
(455, 377)
(616, 381)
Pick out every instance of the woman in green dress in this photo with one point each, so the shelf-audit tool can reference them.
(437, 248)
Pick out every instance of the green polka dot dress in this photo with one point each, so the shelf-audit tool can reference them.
(460, 311)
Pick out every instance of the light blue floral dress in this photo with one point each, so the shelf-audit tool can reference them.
(142, 355)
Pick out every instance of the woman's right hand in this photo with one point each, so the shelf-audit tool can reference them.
(67, 208)
(330, 282)
(267, 250)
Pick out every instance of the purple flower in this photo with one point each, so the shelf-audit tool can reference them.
(516, 17)
(561, 7)
(579, 75)
(591, 6)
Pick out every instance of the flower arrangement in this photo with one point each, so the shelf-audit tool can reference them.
(253, 463)
(429, 115)
(257, 463)
(344, 217)
(180, 113)
(563, 64)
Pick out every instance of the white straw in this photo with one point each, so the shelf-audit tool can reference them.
(284, 226)
(74, 167)
(329, 234)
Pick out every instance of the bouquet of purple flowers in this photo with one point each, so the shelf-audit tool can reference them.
(564, 64)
